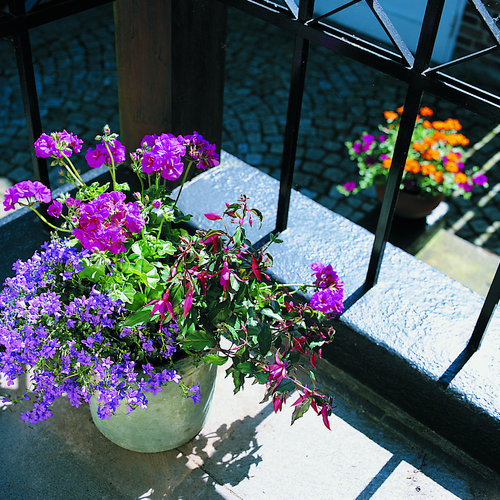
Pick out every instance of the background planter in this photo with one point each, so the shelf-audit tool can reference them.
(170, 420)
(410, 205)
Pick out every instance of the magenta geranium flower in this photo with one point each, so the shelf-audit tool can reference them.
(327, 301)
(105, 223)
(100, 156)
(55, 209)
(45, 146)
(30, 191)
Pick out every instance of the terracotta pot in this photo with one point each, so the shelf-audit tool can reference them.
(170, 420)
(411, 205)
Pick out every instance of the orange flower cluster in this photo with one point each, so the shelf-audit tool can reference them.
(428, 146)
(435, 161)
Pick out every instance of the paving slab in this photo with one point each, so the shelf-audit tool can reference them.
(469, 264)
(245, 451)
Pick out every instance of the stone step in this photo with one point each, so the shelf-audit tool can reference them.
(459, 259)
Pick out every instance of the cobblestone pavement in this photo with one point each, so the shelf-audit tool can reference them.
(76, 78)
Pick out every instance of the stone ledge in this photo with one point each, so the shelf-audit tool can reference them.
(402, 336)
(398, 339)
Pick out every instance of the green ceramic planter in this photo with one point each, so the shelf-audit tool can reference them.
(170, 419)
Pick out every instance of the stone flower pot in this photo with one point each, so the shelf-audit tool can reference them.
(170, 420)
(411, 205)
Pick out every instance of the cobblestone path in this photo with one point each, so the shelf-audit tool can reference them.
(76, 77)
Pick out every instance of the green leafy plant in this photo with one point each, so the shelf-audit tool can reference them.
(110, 306)
(435, 163)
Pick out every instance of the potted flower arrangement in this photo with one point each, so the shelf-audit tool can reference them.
(434, 167)
(128, 310)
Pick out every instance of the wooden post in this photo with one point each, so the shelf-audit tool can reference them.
(170, 63)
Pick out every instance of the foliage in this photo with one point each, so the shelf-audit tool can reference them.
(111, 306)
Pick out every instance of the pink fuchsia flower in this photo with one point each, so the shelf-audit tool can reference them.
(277, 371)
(188, 302)
(325, 410)
(55, 209)
(255, 268)
(162, 305)
(350, 186)
(212, 216)
(324, 415)
(214, 239)
(278, 401)
(225, 275)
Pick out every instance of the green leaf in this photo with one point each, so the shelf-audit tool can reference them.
(214, 359)
(300, 409)
(274, 238)
(235, 284)
(147, 272)
(265, 340)
(245, 367)
(165, 248)
(94, 272)
(198, 340)
(258, 213)
(126, 293)
(271, 314)
(239, 236)
(140, 317)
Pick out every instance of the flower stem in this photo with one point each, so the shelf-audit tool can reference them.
(183, 182)
(47, 222)
(72, 170)
(111, 167)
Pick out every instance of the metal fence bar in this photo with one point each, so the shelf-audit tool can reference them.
(15, 25)
(297, 83)
(411, 107)
(382, 59)
(49, 11)
(28, 91)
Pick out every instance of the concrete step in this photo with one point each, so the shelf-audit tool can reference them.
(459, 259)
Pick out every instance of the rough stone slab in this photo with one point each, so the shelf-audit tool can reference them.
(245, 452)
(404, 334)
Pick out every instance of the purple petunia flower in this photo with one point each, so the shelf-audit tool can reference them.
(479, 179)
(368, 139)
(350, 186)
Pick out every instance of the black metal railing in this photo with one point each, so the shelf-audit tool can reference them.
(399, 63)
(15, 25)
